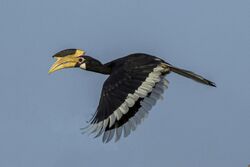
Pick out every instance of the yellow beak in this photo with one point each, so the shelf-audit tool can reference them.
(64, 62)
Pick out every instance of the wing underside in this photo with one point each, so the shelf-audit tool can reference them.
(126, 98)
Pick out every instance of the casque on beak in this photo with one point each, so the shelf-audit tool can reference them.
(64, 60)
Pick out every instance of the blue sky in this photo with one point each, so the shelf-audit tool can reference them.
(195, 125)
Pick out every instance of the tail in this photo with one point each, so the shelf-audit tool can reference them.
(191, 75)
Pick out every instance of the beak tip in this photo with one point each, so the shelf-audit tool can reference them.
(50, 71)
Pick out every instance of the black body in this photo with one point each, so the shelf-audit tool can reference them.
(127, 74)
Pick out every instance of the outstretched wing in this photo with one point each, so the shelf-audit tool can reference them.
(127, 96)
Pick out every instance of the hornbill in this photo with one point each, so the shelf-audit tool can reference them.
(134, 85)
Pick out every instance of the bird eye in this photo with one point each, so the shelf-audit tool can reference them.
(80, 60)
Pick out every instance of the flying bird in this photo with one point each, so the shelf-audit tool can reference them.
(134, 85)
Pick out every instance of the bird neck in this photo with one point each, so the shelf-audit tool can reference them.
(96, 66)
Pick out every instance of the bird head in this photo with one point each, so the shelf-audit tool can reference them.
(68, 58)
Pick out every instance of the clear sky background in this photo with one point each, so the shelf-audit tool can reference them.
(194, 126)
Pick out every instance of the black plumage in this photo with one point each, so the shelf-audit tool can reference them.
(126, 76)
